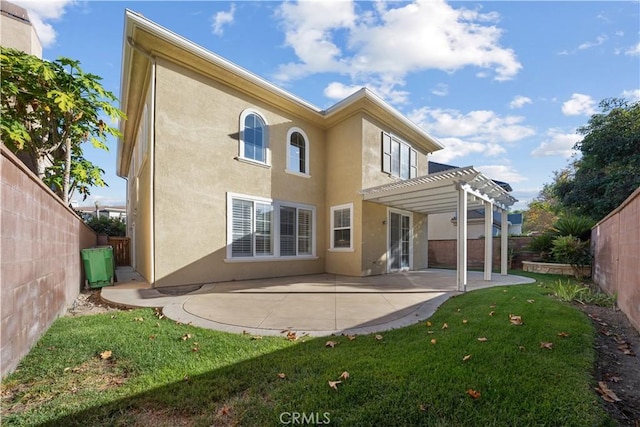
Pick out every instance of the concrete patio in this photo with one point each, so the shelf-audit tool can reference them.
(320, 304)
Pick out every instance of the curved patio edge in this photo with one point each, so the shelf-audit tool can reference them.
(318, 305)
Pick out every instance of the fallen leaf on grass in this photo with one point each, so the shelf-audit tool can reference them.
(282, 375)
(428, 323)
(334, 384)
(256, 337)
(493, 305)
(244, 332)
(531, 301)
(379, 337)
(105, 355)
(521, 348)
(563, 334)
(433, 341)
(344, 375)
(607, 393)
(465, 321)
(473, 393)
(138, 319)
(467, 357)
(422, 408)
(113, 316)
(351, 337)
(331, 344)
(515, 320)
(292, 336)
(491, 313)
(547, 345)
(195, 349)
(185, 337)
(430, 332)
(152, 337)
(445, 326)
(482, 339)
(224, 410)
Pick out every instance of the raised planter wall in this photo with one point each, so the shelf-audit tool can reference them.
(553, 268)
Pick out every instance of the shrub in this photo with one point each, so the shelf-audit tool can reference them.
(573, 225)
(114, 227)
(542, 245)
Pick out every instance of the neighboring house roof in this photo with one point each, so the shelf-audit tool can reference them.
(434, 167)
(144, 40)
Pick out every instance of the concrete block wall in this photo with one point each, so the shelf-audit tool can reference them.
(615, 242)
(443, 253)
(41, 270)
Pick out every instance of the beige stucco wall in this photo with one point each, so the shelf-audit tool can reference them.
(441, 227)
(196, 142)
(344, 171)
(375, 241)
(19, 35)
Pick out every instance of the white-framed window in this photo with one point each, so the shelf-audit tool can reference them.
(263, 229)
(398, 158)
(251, 225)
(342, 227)
(253, 137)
(297, 152)
(296, 231)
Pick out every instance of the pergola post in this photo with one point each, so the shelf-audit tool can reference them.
(488, 240)
(462, 240)
(504, 242)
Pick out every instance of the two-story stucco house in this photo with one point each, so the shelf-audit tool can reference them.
(230, 177)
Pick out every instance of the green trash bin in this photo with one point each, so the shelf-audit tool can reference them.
(99, 266)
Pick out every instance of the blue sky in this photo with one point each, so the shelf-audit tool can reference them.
(503, 85)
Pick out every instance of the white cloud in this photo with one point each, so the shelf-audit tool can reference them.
(43, 11)
(632, 95)
(579, 104)
(557, 143)
(481, 125)
(633, 50)
(440, 89)
(455, 148)
(221, 19)
(391, 41)
(599, 41)
(477, 132)
(338, 91)
(519, 102)
(502, 173)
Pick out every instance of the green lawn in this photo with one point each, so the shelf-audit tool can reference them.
(155, 377)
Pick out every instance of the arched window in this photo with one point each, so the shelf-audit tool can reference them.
(297, 151)
(253, 136)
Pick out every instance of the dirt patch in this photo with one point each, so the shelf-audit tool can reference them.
(617, 348)
(89, 302)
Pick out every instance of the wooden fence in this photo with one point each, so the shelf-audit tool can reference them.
(121, 250)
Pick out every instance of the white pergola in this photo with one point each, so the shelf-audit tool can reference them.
(458, 189)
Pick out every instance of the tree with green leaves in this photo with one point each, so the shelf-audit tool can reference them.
(608, 170)
(48, 109)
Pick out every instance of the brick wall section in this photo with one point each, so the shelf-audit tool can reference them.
(616, 245)
(41, 270)
(443, 253)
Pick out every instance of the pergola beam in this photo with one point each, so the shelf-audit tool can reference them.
(488, 240)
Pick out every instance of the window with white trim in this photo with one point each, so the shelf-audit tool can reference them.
(297, 151)
(342, 226)
(398, 158)
(265, 229)
(296, 231)
(251, 225)
(253, 137)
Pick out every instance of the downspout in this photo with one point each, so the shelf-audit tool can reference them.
(152, 137)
